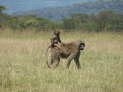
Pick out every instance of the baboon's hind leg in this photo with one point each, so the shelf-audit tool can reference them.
(77, 62)
(70, 58)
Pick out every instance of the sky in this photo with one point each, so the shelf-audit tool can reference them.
(25, 5)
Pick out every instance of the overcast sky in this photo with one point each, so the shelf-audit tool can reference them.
(24, 5)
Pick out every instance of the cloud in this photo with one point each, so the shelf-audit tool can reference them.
(53, 3)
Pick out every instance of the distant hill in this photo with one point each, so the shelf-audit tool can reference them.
(58, 13)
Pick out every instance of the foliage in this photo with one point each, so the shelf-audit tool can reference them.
(2, 8)
(26, 22)
(105, 20)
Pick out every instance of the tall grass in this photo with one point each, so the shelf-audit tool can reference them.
(23, 64)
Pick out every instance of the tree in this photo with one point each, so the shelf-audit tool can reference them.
(102, 19)
(2, 8)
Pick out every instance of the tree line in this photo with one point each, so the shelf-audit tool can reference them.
(102, 21)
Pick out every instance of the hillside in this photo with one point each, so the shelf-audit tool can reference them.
(58, 13)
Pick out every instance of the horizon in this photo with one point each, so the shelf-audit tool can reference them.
(22, 5)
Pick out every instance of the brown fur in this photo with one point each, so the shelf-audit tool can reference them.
(68, 51)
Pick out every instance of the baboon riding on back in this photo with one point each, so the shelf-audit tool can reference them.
(69, 51)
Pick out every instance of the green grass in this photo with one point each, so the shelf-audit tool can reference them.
(23, 64)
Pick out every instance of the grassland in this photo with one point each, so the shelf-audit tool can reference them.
(23, 64)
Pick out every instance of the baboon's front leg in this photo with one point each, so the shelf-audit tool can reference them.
(55, 62)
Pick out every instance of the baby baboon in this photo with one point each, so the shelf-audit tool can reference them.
(54, 58)
(54, 50)
(70, 51)
(54, 40)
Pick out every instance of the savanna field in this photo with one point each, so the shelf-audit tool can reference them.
(23, 63)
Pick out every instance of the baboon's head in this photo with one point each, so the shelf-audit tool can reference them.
(54, 41)
(57, 34)
(82, 45)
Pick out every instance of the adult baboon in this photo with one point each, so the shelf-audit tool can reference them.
(69, 51)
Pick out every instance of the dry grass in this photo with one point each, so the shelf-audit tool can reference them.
(23, 65)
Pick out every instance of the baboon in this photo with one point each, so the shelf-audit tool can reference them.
(54, 40)
(54, 50)
(57, 36)
(69, 51)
